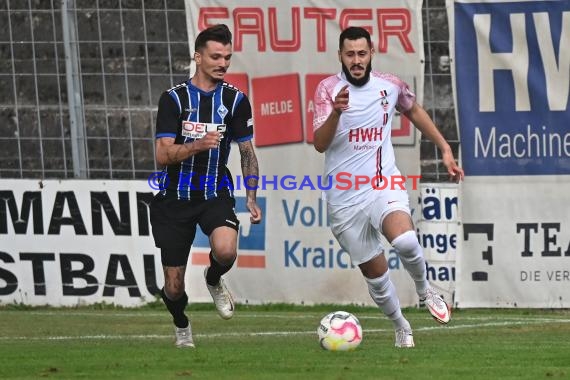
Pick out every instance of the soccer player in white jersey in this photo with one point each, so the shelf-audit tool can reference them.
(352, 126)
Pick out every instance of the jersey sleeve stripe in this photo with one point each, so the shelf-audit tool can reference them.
(243, 139)
(238, 98)
(174, 96)
(159, 135)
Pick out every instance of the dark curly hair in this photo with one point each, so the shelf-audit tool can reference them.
(218, 33)
(354, 33)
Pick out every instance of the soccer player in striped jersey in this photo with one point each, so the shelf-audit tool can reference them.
(196, 123)
(352, 126)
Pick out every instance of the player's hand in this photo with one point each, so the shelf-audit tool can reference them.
(455, 172)
(341, 100)
(211, 140)
(254, 210)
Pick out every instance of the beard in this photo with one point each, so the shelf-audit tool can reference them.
(219, 80)
(360, 81)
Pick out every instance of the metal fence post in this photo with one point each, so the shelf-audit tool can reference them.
(74, 89)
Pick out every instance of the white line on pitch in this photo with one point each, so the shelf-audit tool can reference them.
(310, 315)
(272, 333)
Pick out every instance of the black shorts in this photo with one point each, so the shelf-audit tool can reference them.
(174, 224)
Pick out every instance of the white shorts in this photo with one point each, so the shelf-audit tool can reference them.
(357, 227)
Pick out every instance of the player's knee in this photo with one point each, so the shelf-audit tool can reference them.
(407, 244)
(374, 268)
(174, 291)
(225, 256)
(228, 258)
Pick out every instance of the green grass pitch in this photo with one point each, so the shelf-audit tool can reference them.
(278, 342)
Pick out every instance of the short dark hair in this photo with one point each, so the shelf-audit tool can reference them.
(218, 33)
(354, 33)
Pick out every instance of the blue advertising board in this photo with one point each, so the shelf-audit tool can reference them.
(512, 67)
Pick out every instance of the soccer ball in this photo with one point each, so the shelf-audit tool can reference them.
(339, 331)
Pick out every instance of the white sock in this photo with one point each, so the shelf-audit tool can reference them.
(411, 254)
(383, 292)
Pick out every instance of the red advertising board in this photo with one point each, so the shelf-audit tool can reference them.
(277, 110)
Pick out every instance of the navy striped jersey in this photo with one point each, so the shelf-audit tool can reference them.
(186, 113)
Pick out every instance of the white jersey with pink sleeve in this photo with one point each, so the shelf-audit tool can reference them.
(362, 145)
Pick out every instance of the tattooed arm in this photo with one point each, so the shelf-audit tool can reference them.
(168, 153)
(250, 171)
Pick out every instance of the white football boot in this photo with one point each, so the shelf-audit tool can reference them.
(184, 337)
(404, 338)
(436, 306)
(222, 298)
